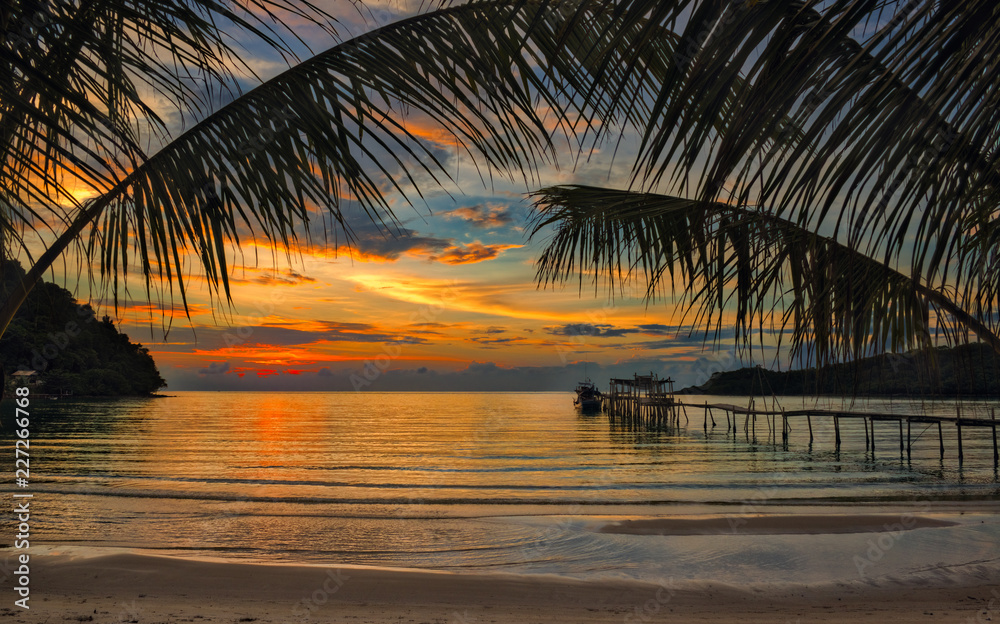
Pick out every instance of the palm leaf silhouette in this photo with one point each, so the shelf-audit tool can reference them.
(328, 131)
(860, 133)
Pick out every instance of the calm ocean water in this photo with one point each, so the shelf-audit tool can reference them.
(473, 481)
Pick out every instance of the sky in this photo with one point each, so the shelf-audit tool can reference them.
(446, 301)
(449, 302)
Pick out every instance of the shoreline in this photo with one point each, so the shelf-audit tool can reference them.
(147, 588)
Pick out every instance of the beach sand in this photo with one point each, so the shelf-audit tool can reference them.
(151, 589)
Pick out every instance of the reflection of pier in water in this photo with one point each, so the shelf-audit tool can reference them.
(648, 401)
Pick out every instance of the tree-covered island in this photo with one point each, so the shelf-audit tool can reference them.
(69, 349)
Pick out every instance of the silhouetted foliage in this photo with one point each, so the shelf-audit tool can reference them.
(70, 348)
(966, 370)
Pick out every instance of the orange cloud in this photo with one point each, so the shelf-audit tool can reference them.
(369, 242)
(429, 130)
(287, 277)
(520, 300)
(483, 216)
(471, 253)
(259, 354)
(376, 247)
(322, 351)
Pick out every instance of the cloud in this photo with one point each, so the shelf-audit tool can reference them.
(424, 127)
(330, 331)
(371, 243)
(215, 368)
(603, 330)
(471, 253)
(652, 345)
(431, 328)
(494, 343)
(285, 338)
(269, 278)
(319, 331)
(659, 329)
(589, 329)
(483, 216)
(518, 300)
(149, 311)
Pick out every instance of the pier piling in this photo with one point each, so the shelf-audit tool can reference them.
(993, 417)
(961, 455)
(958, 427)
(647, 401)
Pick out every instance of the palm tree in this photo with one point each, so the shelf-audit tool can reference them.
(822, 170)
(87, 84)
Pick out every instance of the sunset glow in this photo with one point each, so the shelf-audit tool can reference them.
(444, 288)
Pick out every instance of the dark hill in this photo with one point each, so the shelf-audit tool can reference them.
(966, 370)
(70, 348)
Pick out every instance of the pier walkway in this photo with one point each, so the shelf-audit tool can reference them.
(750, 414)
(648, 401)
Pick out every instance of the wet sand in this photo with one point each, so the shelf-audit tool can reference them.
(143, 588)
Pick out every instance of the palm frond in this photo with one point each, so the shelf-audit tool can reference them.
(332, 129)
(744, 269)
(869, 125)
(82, 85)
(893, 107)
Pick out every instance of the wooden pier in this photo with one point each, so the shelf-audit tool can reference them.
(644, 400)
(648, 401)
(749, 414)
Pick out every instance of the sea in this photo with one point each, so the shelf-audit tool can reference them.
(499, 482)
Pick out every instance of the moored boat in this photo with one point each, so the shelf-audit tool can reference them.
(588, 397)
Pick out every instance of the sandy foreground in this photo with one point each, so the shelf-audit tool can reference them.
(149, 589)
